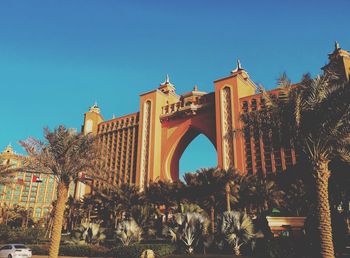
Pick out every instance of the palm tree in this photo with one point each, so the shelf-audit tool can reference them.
(88, 233)
(89, 206)
(313, 118)
(128, 232)
(207, 187)
(64, 154)
(164, 194)
(73, 213)
(146, 217)
(259, 194)
(7, 173)
(127, 197)
(188, 229)
(237, 229)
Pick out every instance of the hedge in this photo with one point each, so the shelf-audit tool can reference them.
(20, 235)
(135, 251)
(72, 250)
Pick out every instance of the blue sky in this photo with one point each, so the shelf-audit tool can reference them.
(58, 57)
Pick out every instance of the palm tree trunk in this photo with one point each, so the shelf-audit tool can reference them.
(62, 196)
(323, 211)
(212, 216)
(228, 201)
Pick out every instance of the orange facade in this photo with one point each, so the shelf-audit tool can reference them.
(147, 146)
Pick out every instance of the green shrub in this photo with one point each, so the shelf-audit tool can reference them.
(39, 249)
(83, 250)
(72, 250)
(282, 247)
(20, 235)
(135, 251)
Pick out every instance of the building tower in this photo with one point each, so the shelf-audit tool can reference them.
(228, 91)
(339, 63)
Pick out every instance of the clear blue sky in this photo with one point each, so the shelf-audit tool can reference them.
(58, 57)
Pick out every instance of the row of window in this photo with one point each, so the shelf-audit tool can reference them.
(133, 121)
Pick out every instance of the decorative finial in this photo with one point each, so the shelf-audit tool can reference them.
(195, 88)
(8, 149)
(94, 108)
(167, 79)
(337, 46)
(238, 68)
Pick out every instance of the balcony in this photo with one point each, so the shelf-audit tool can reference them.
(188, 106)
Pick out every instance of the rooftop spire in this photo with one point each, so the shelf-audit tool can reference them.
(337, 46)
(238, 68)
(94, 108)
(8, 149)
(167, 80)
(167, 86)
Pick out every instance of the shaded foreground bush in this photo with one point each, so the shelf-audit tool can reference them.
(72, 250)
(133, 251)
(20, 235)
(274, 248)
(282, 247)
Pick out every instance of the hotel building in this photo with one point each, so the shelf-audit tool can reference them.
(147, 145)
(33, 191)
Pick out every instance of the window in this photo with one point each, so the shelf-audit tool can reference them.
(20, 247)
(6, 247)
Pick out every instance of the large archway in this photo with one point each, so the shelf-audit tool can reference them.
(200, 153)
(184, 142)
(183, 132)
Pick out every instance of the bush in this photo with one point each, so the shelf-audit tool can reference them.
(39, 249)
(72, 250)
(20, 235)
(282, 247)
(135, 251)
(83, 250)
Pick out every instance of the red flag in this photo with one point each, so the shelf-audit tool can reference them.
(36, 179)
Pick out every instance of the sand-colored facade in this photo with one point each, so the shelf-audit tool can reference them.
(147, 145)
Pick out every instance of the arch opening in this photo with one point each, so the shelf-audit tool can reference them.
(200, 153)
(184, 143)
